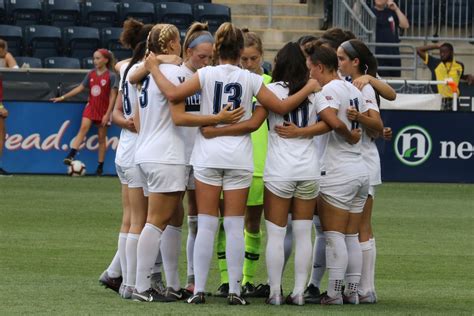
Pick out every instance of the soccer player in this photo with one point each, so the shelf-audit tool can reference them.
(160, 155)
(224, 163)
(251, 59)
(355, 60)
(103, 84)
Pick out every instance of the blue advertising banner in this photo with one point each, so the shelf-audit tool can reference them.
(428, 147)
(39, 135)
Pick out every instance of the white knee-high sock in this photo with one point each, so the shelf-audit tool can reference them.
(303, 252)
(336, 261)
(275, 256)
(122, 244)
(147, 250)
(203, 250)
(372, 267)
(354, 263)
(288, 240)
(234, 250)
(170, 250)
(365, 285)
(114, 270)
(131, 249)
(192, 231)
(319, 252)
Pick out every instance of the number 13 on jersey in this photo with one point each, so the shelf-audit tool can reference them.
(232, 90)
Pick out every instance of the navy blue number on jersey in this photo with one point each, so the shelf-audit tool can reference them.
(144, 94)
(355, 103)
(127, 106)
(234, 90)
(298, 116)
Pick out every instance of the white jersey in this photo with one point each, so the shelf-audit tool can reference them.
(221, 85)
(370, 153)
(159, 140)
(193, 105)
(292, 159)
(341, 161)
(126, 147)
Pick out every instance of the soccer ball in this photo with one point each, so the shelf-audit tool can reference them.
(76, 168)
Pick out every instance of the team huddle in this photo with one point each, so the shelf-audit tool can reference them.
(297, 145)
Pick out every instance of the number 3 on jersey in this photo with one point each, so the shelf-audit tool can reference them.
(144, 93)
(235, 94)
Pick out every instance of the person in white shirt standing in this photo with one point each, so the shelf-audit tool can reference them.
(355, 60)
(224, 163)
(160, 155)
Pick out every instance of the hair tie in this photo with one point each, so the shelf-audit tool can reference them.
(205, 37)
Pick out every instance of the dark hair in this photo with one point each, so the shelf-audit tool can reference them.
(133, 33)
(323, 55)
(229, 42)
(335, 36)
(448, 46)
(290, 68)
(303, 40)
(367, 61)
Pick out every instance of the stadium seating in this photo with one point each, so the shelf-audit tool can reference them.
(179, 14)
(14, 37)
(457, 13)
(62, 62)
(193, 2)
(42, 40)
(80, 41)
(31, 61)
(87, 63)
(141, 11)
(214, 14)
(100, 14)
(24, 12)
(61, 13)
(2, 10)
(110, 39)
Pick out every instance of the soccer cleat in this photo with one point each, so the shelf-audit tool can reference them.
(234, 299)
(223, 290)
(189, 288)
(198, 298)
(327, 300)
(150, 295)
(295, 299)
(67, 161)
(312, 295)
(248, 290)
(262, 290)
(276, 299)
(4, 173)
(369, 298)
(110, 283)
(352, 298)
(172, 294)
(99, 171)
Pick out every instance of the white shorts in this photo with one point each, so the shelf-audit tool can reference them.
(349, 196)
(163, 178)
(304, 190)
(372, 191)
(130, 176)
(228, 179)
(190, 183)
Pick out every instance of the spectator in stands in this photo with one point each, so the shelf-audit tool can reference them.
(3, 116)
(443, 68)
(389, 19)
(327, 22)
(6, 59)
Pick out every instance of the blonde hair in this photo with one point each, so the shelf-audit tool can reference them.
(229, 42)
(251, 39)
(160, 36)
(196, 29)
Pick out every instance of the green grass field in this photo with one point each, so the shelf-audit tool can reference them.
(57, 234)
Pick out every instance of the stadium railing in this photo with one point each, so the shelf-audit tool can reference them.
(408, 53)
